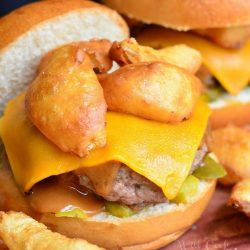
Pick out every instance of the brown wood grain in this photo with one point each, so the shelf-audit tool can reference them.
(220, 227)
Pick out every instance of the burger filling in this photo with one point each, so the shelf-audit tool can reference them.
(126, 186)
(82, 193)
(225, 55)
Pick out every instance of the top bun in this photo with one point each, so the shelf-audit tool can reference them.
(184, 15)
(29, 32)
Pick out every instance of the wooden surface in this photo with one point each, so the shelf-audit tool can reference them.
(220, 227)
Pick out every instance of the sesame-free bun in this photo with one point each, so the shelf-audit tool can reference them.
(152, 228)
(186, 14)
(34, 29)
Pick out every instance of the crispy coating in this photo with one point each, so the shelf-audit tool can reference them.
(231, 38)
(129, 51)
(21, 232)
(97, 50)
(66, 102)
(240, 196)
(232, 147)
(152, 90)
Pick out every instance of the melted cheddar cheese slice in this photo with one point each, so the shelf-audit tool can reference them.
(163, 153)
(230, 67)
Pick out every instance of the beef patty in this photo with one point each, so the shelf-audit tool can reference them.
(129, 187)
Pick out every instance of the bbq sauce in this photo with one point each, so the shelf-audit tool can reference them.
(51, 195)
(61, 193)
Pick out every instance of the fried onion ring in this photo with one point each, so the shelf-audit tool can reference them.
(152, 90)
(66, 102)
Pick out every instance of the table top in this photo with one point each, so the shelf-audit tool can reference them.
(220, 227)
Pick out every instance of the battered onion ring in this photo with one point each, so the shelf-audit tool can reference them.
(152, 90)
(97, 50)
(129, 51)
(66, 102)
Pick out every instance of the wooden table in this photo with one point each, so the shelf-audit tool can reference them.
(220, 227)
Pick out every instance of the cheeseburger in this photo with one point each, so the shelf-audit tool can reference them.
(119, 158)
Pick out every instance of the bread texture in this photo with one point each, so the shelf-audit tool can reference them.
(31, 31)
(186, 14)
(151, 228)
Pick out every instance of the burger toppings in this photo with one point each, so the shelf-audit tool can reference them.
(66, 103)
(210, 169)
(96, 49)
(119, 210)
(84, 160)
(128, 188)
(155, 90)
(228, 66)
(63, 193)
(73, 212)
(117, 182)
(129, 52)
(66, 196)
(189, 189)
(144, 146)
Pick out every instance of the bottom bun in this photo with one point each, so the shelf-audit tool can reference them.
(156, 244)
(151, 228)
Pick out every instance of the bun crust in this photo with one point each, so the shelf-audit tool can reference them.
(25, 18)
(156, 244)
(186, 14)
(134, 232)
(29, 32)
